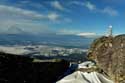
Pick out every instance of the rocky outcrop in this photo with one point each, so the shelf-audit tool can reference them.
(109, 54)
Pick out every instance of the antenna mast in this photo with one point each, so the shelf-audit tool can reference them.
(110, 30)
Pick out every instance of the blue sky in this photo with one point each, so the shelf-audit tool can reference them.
(89, 17)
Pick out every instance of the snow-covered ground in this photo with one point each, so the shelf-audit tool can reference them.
(38, 49)
(85, 77)
(19, 50)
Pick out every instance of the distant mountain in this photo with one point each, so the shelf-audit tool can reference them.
(68, 41)
(15, 30)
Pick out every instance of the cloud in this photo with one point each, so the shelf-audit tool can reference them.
(76, 32)
(87, 34)
(30, 4)
(18, 12)
(57, 5)
(67, 32)
(26, 25)
(92, 7)
(53, 16)
(28, 20)
(14, 12)
(110, 11)
(76, 3)
(86, 4)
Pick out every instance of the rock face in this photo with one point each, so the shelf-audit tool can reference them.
(109, 53)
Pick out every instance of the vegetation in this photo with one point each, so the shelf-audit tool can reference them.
(21, 69)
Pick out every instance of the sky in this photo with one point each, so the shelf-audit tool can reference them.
(86, 17)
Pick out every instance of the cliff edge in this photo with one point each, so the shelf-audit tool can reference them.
(109, 54)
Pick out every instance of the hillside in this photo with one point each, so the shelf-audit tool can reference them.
(109, 53)
(21, 69)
